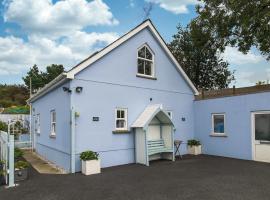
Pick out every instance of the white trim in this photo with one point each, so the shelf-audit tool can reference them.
(171, 113)
(153, 71)
(71, 73)
(125, 118)
(48, 87)
(106, 50)
(213, 126)
(253, 113)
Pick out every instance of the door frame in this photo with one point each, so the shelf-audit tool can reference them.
(253, 113)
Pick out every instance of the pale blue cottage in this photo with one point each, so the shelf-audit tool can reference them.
(132, 94)
(108, 92)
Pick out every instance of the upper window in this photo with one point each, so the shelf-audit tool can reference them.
(53, 123)
(38, 124)
(121, 119)
(218, 123)
(145, 62)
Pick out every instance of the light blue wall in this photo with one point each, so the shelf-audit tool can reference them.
(56, 149)
(238, 123)
(111, 82)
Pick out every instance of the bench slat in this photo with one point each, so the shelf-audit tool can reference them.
(157, 146)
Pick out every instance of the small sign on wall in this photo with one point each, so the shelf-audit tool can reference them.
(95, 119)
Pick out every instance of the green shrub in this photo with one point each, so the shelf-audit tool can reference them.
(89, 155)
(17, 110)
(194, 143)
(21, 165)
(18, 153)
(3, 126)
(2, 173)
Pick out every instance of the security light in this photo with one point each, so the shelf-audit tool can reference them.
(79, 89)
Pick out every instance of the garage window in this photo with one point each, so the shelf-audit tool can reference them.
(218, 124)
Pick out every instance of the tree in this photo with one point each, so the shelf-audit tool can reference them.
(40, 79)
(52, 72)
(197, 53)
(36, 78)
(240, 23)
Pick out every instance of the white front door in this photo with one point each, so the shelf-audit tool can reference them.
(261, 136)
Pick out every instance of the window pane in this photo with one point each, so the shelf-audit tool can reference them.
(262, 127)
(122, 114)
(140, 66)
(53, 116)
(120, 123)
(53, 128)
(148, 68)
(141, 52)
(148, 54)
(118, 114)
(218, 123)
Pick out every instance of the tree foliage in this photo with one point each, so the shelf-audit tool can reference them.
(197, 53)
(240, 23)
(39, 78)
(13, 95)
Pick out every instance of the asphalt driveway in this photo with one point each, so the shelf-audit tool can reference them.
(194, 178)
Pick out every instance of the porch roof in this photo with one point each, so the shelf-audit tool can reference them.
(149, 113)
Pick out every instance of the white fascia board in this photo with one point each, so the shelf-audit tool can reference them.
(106, 50)
(103, 52)
(50, 86)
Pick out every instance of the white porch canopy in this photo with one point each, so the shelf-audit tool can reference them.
(154, 133)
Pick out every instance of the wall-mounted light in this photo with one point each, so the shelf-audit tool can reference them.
(79, 89)
(151, 99)
(66, 89)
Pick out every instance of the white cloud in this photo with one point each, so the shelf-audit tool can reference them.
(17, 55)
(175, 6)
(233, 56)
(57, 19)
(54, 33)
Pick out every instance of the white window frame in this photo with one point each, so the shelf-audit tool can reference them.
(171, 113)
(125, 118)
(145, 59)
(53, 123)
(213, 125)
(38, 123)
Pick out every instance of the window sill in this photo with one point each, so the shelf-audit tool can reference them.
(52, 136)
(145, 76)
(121, 131)
(218, 135)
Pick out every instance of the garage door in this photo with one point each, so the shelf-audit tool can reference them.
(261, 136)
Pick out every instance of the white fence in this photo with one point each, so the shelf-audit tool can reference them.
(7, 156)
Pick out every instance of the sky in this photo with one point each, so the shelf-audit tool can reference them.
(45, 32)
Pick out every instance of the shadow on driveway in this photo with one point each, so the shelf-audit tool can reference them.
(195, 178)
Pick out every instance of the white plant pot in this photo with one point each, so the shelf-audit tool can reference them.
(195, 150)
(90, 167)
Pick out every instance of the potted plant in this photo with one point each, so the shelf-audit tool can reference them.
(2, 173)
(90, 162)
(21, 170)
(194, 147)
(2, 177)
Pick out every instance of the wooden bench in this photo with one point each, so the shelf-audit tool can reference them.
(157, 146)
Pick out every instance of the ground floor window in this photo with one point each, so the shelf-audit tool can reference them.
(53, 123)
(38, 124)
(218, 123)
(121, 119)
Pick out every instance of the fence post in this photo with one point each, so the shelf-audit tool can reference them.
(11, 161)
